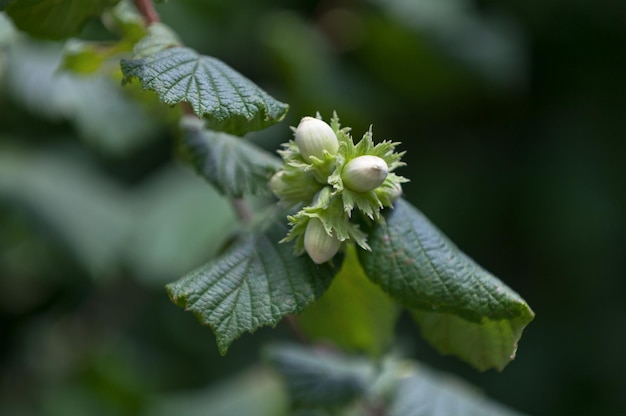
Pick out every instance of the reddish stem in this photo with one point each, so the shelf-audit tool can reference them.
(297, 333)
(241, 209)
(146, 8)
(186, 107)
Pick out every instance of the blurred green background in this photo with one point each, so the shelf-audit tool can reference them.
(513, 116)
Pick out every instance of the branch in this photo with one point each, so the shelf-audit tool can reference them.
(295, 330)
(146, 8)
(241, 209)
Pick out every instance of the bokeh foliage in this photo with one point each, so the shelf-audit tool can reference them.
(512, 117)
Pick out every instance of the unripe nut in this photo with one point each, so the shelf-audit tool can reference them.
(320, 246)
(364, 173)
(277, 184)
(313, 136)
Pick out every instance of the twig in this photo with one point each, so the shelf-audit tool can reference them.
(146, 8)
(241, 209)
(297, 333)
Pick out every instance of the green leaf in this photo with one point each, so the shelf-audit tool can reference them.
(158, 38)
(486, 344)
(354, 313)
(229, 101)
(419, 267)
(321, 379)
(318, 378)
(255, 283)
(54, 19)
(234, 166)
(427, 393)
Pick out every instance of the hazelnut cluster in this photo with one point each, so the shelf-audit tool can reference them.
(326, 176)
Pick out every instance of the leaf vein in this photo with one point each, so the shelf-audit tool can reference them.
(429, 260)
(237, 89)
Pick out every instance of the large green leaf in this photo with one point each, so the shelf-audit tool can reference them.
(54, 19)
(354, 313)
(229, 101)
(255, 283)
(158, 38)
(352, 385)
(418, 266)
(485, 344)
(321, 378)
(234, 166)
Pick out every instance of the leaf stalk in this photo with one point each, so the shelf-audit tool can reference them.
(146, 9)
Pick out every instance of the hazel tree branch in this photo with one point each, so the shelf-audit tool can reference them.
(146, 8)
